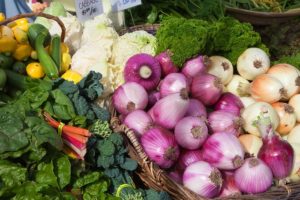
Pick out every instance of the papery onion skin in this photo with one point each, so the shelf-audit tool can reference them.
(196, 66)
(229, 187)
(252, 112)
(230, 103)
(295, 174)
(206, 88)
(253, 62)
(253, 177)
(294, 102)
(238, 86)
(224, 121)
(196, 109)
(251, 144)
(139, 121)
(247, 101)
(222, 68)
(143, 69)
(267, 88)
(203, 179)
(173, 83)
(191, 132)
(277, 153)
(289, 77)
(287, 117)
(161, 147)
(188, 157)
(167, 65)
(170, 109)
(129, 97)
(224, 151)
(294, 135)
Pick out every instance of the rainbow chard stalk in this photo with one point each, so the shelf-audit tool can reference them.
(275, 152)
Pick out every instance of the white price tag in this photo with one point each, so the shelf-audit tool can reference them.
(88, 9)
(118, 5)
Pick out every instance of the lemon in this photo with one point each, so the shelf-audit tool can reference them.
(35, 70)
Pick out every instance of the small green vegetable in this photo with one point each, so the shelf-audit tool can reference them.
(101, 128)
(55, 51)
(5, 61)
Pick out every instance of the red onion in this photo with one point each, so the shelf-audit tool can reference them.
(167, 66)
(191, 132)
(129, 97)
(170, 109)
(229, 187)
(173, 83)
(277, 153)
(203, 179)
(221, 120)
(224, 151)
(254, 176)
(196, 109)
(161, 147)
(143, 69)
(139, 121)
(206, 88)
(195, 66)
(188, 157)
(229, 103)
(153, 97)
(176, 176)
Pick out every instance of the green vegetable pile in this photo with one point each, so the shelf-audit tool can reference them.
(227, 37)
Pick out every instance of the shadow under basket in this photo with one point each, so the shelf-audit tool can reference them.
(156, 178)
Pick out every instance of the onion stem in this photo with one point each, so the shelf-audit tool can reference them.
(145, 72)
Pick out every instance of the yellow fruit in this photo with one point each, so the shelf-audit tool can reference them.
(22, 23)
(33, 55)
(7, 44)
(6, 31)
(66, 62)
(64, 48)
(71, 75)
(2, 17)
(22, 52)
(20, 35)
(35, 70)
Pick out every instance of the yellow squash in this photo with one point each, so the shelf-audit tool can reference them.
(22, 23)
(22, 52)
(35, 70)
(66, 62)
(7, 44)
(2, 17)
(20, 35)
(71, 75)
(6, 31)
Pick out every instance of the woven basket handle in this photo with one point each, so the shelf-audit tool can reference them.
(38, 14)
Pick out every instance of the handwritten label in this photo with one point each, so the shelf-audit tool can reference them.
(118, 5)
(88, 9)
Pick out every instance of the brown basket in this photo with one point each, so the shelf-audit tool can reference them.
(39, 14)
(157, 179)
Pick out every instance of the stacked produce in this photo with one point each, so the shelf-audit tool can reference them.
(213, 131)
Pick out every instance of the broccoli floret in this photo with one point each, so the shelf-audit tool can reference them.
(101, 128)
(292, 60)
(134, 196)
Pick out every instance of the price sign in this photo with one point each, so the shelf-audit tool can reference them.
(118, 5)
(88, 9)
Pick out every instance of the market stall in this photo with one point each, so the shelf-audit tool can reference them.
(163, 100)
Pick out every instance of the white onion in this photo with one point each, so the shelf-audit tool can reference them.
(294, 135)
(253, 62)
(252, 112)
(222, 68)
(251, 144)
(203, 179)
(238, 86)
(295, 174)
(288, 76)
(294, 102)
(247, 101)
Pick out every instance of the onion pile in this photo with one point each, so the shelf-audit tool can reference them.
(216, 143)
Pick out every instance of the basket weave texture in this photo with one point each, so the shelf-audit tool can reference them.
(157, 179)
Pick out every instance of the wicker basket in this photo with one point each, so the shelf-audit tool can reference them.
(157, 179)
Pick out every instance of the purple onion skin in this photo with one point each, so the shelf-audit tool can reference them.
(139, 121)
(161, 147)
(188, 157)
(133, 71)
(129, 97)
(229, 103)
(167, 66)
(278, 155)
(195, 66)
(173, 83)
(207, 88)
(196, 109)
(153, 97)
